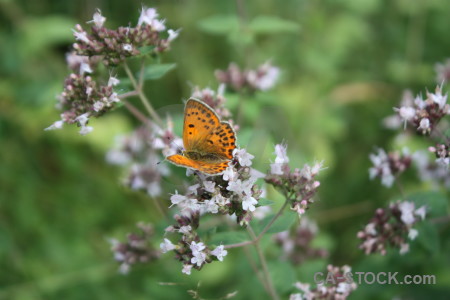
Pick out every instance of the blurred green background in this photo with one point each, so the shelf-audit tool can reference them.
(342, 72)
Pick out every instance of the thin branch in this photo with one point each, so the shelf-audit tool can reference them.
(261, 234)
(142, 96)
(262, 258)
(135, 112)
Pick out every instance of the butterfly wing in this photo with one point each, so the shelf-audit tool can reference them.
(203, 132)
(207, 168)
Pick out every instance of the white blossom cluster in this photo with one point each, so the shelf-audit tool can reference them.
(138, 152)
(391, 227)
(333, 286)
(300, 185)
(387, 166)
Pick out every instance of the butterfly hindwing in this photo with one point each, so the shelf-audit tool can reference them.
(207, 168)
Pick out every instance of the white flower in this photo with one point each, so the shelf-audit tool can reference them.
(193, 188)
(219, 252)
(276, 169)
(82, 119)
(235, 186)
(406, 113)
(177, 198)
(407, 210)
(404, 248)
(89, 91)
(412, 234)
(127, 47)
(184, 202)
(81, 36)
(370, 229)
(198, 259)
(117, 157)
(57, 125)
(98, 106)
(209, 186)
(249, 203)
(147, 16)
(424, 124)
(98, 19)
(158, 25)
(185, 229)
(166, 246)
(418, 101)
(210, 206)
(85, 130)
(113, 81)
(85, 68)
(220, 200)
(343, 288)
(173, 34)
(387, 179)
(197, 247)
(281, 153)
(229, 174)
(443, 161)
(421, 212)
(438, 98)
(297, 296)
(187, 269)
(113, 98)
(244, 158)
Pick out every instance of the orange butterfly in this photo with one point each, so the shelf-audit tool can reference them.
(208, 142)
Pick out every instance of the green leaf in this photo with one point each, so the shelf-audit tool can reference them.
(283, 276)
(230, 237)
(436, 203)
(220, 24)
(153, 72)
(265, 202)
(146, 50)
(284, 222)
(428, 237)
(271, 25)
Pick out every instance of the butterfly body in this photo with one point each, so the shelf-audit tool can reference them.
(208, 142)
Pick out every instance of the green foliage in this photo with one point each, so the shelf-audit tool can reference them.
(341, 75)
(272, 25)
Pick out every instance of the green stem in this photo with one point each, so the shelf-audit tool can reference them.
(262, 258)
(261, 234)
(142, 96)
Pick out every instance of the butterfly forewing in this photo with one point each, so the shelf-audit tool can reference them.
(207, 168)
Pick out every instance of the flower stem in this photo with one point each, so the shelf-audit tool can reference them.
(261, 234)
(262, 258)
(138, 88)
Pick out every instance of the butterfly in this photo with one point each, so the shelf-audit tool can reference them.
(208, 142)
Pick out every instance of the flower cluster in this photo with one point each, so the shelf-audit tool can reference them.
(114, 46)
(388, 166)
(137, 248)
(424, 115)
(138, 150)
(333, 287)
(391, 227)
(432, 171)
(234, 192)
(442, 154)
(215, 100)
(262, 78)
(83, 98)
(298, 186)
(296, 244)
(190, 250)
